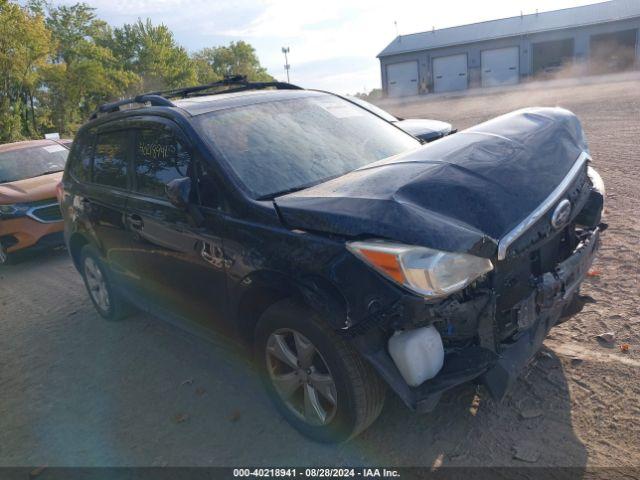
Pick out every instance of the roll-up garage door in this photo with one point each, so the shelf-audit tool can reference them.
(402, 79)
(500, 66)
(450, 73)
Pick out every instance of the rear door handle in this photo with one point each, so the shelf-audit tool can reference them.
(135, 221)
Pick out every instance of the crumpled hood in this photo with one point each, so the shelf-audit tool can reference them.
(30, 189)
(462, 193)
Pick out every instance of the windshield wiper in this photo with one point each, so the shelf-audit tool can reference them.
(48, 172)
(271, 196)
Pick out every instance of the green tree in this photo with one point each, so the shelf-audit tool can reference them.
(152, 53)
(203, 63)
(375, 94)
(238, 58)
(58, 63)
(83, 73)
(25, 44)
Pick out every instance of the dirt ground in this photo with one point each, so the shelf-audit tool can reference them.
(76, 390)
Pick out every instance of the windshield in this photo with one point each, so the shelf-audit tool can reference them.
(282, 146)
(31, 162)
(372, 108)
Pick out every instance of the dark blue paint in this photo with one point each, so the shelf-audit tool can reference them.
(461, 193)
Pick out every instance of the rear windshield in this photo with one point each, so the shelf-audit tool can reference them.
(32, 162)
(282, 146)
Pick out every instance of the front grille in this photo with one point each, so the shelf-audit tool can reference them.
(47, 213)
(514, 278)
(578, 193)
(536, 252)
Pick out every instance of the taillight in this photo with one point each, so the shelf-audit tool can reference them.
(60, 192)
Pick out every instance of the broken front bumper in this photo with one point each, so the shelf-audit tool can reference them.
(498, 368)
(542, 310)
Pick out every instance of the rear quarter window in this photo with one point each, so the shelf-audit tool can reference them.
(81, 158)
(110, 159)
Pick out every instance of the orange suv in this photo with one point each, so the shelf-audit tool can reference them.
(29, 211)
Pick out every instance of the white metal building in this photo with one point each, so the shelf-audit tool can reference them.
(592, 39)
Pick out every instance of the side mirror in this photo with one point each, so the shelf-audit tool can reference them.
(178, 192)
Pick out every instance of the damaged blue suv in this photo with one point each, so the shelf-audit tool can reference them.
(349, 256)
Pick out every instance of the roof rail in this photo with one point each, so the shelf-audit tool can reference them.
(153, 100)
(161, 98)
(239, 81)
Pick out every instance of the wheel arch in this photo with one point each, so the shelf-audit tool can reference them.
(265, 288)
(76, 242)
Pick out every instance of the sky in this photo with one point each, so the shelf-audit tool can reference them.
(333, 43)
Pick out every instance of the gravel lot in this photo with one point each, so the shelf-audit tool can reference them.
(76, 390)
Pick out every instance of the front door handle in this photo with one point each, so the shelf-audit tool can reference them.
(135, 221)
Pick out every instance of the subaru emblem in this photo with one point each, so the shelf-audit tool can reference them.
(561, 214)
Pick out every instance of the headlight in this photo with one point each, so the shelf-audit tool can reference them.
(428, 272)
(16, 210)
(596, 180)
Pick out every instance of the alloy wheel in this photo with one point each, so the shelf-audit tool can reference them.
(301, 377)
(3, 255)
(96, 284)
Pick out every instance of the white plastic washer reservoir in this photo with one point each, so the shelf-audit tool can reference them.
(418, 354)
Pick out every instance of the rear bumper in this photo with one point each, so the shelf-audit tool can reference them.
(556, 296)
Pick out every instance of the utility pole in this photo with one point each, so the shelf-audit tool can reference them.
(286, 50)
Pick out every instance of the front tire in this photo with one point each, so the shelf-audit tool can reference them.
(105, 298)
(317, 381)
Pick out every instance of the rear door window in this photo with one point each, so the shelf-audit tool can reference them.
(110, 159)
(159, 158)
(81, 157)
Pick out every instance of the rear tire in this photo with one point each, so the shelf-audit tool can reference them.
(326, 376)
(97, 279)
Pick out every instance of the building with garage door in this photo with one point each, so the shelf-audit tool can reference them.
(592, 39)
